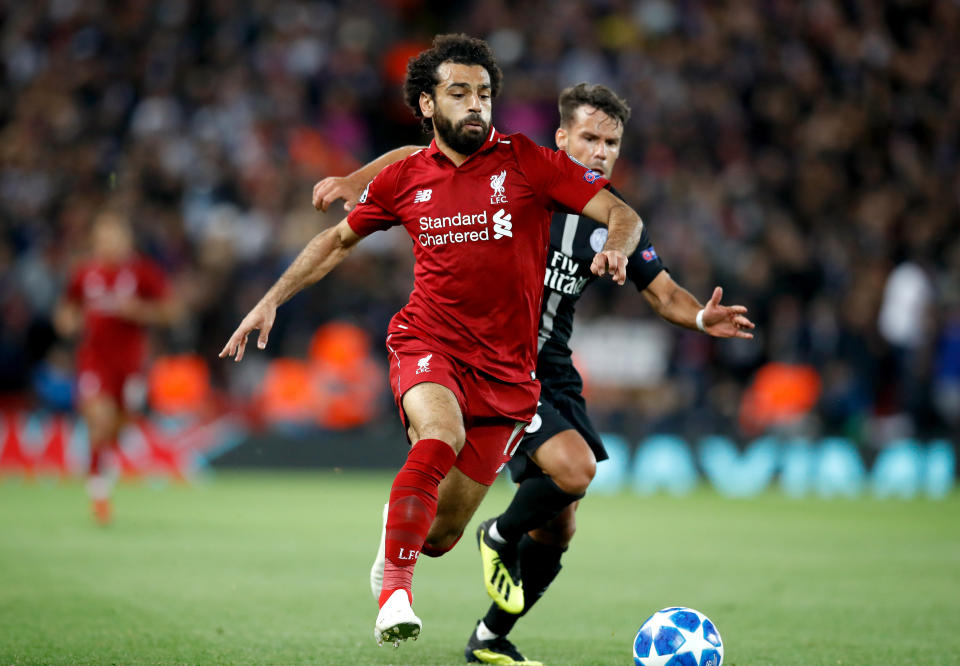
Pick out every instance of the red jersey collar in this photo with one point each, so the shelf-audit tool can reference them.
(493, 139)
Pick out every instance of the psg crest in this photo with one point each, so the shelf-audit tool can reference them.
(598, 238)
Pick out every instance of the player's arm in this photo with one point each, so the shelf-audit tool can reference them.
(67, 318)
(350, 187)
(624, 228)
(319, 257)
(68, 312)
(162, 311)
(678, 306)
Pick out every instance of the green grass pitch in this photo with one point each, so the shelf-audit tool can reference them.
(270, 568)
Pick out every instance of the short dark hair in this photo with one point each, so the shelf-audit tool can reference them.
(462, 49)
(598, 96)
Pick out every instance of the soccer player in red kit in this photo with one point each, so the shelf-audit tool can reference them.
(558, 454)
(110, 300)
(477, 205)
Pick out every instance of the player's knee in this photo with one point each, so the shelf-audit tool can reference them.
(575, 477)
(102, 419)
(452, 434)
(585, 473)
(100, 428)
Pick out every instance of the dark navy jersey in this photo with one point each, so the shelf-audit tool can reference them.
(574, 240)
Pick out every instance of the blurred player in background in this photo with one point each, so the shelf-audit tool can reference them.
(110, 301)
(477, 205)
(557, 457)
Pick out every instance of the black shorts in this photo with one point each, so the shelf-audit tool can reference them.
(561, 407)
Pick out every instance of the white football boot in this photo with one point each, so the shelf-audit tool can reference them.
(376, 571)
(396, 621)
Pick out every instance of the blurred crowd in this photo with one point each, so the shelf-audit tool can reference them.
(803, 155)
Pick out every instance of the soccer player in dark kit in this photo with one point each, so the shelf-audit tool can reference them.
(556, 460)
(477, 205)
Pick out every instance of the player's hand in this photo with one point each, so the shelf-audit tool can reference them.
(259, 318)
(725, 321)
(67, 319)
(610, 262)
(330, 189)
(133, 309)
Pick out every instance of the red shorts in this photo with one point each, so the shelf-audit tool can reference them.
(494, 412)
(126, 386)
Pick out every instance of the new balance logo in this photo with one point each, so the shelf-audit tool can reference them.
(423, 365)
(501, 224)
(422, 195)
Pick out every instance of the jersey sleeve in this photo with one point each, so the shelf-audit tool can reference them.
(375, 207)
(565, 183)
(644, 264)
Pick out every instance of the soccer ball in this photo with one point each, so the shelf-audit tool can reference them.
(678, 637)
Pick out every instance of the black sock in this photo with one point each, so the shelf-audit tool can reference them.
(537, 501)
(539, 565)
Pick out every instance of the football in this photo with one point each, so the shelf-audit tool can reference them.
(678, 637)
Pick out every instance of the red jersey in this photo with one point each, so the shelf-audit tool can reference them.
(98, 289)
(480, 236)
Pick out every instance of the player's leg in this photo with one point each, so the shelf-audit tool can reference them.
(568, 458)
(436, 424)
(554, 466)
(460, 496)
(543, 508)
(103, 418)
(568, 466)
(539, 554)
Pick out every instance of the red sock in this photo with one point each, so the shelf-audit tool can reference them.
(96, 460)
(99, 457)
(413, 506)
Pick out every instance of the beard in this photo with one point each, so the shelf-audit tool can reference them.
(458, 137)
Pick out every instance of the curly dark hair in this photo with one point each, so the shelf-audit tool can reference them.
(598, 96)
(461, 49)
